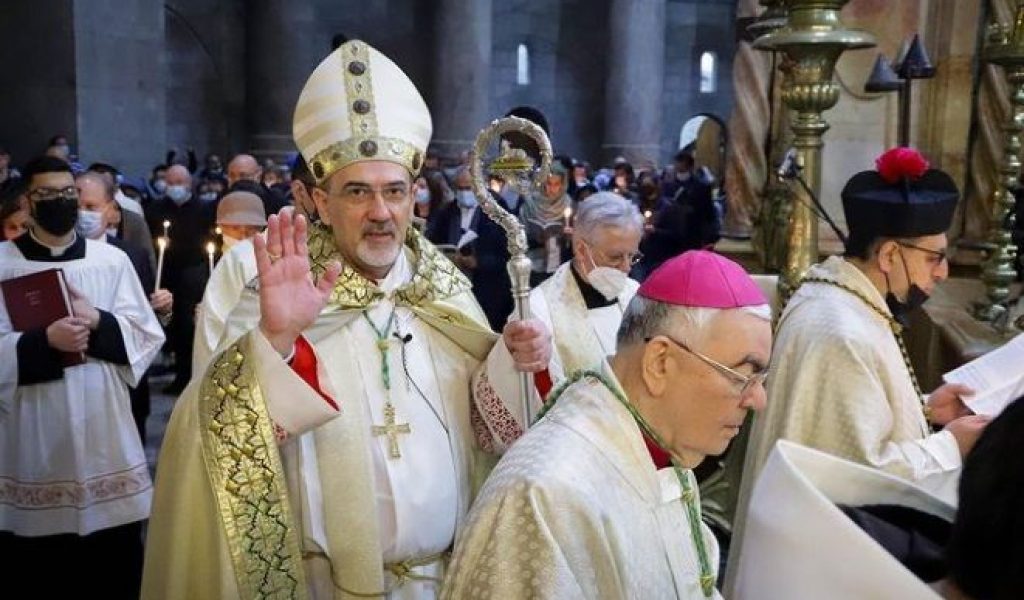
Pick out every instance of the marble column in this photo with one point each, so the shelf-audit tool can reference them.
(280, 54)
(462, 74)
(636, 71)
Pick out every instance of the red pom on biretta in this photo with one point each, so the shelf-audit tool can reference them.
(900, 163)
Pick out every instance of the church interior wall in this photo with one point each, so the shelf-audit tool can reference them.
(38, 98)
(230, 71)
(695, 28)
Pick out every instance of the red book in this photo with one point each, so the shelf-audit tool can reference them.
(38, 299)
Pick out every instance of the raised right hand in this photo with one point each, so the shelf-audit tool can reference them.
(70, 334)
(289, 299)
(967, 430)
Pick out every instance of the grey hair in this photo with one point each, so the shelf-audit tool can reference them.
(606, 209)
(105, 183)
(645, 318)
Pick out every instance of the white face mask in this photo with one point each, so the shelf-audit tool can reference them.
(608, 281)
(90, 224)
(227, 243)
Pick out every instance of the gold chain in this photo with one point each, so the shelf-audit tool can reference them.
(894, 326)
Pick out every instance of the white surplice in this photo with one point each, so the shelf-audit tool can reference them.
(230, 276)
(358, 507)
(581, 338)
(71, 460)
(798, 545)
(577, 509)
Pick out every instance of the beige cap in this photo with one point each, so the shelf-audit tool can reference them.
(359, 106)
(241, 208)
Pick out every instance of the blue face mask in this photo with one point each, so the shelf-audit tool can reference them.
(465, 198)
(178, 194)
(90, 224)
(422, 196)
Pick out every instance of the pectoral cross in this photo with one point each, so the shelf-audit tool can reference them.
(391, 429)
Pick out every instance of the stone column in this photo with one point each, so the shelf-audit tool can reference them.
(281, 52)
(636, 71)
(462, 74)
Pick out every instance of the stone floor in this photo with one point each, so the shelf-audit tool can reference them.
(160, 411)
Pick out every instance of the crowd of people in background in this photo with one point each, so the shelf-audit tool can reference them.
(179, 198)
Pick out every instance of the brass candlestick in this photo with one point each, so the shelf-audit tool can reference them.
(516, 167)
(812, 41)
(1004, 47)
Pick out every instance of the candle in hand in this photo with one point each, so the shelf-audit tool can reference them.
(162, 245)
(647, 216)
(167, 225)
(210, 248)
(568, 215)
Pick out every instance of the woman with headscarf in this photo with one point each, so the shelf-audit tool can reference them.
(546, 218)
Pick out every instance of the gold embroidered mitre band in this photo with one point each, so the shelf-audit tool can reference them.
(359, 106)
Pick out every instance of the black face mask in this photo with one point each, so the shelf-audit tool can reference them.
(916, 297)
(56, 217)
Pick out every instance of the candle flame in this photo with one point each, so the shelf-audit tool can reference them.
(568, 212)
(210, 248)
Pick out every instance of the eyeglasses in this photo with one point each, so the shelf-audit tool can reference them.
(363, 195)
(939, 255)
(45, 194)
(630, 258)
(742, 383)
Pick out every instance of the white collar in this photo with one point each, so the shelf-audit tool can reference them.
(55, 250)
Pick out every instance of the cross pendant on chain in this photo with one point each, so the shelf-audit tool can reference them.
(391, 429)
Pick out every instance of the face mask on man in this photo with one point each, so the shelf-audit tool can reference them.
(90, 224)
(510, 195)
(207, 197)
(160, 186)
(607, 280)
(56, 217)
(916, 297)
(178, 194)
(422, 196)
(465, 198)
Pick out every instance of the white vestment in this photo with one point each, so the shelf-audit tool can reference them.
(577, 509)
(70, 456)
(234, 271)
(581, 338)
(358, 509)
(798, 545)
(839, 384)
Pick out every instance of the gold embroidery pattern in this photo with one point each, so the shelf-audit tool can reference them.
(244, 468)
(435, 277)
(346, 152)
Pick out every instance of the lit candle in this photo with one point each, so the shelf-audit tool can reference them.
(167, 225)
(568, 215)
(162, 244)
(647, 216)
(210, 248)
(218, 231)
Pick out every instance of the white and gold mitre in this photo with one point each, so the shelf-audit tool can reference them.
(358, 106)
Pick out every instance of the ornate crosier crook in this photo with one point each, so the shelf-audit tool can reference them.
(518, 169)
